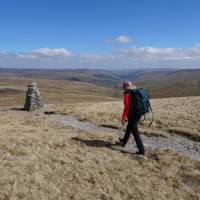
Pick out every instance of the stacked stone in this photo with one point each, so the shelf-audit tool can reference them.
(33, 98)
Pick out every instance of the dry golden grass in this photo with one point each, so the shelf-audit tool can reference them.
(173, 115)
(41, 159)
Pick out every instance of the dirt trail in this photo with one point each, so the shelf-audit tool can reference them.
(177, 143)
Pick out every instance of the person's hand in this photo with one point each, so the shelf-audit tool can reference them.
(124, 121)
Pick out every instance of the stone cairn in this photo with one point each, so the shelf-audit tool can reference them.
(33, 98)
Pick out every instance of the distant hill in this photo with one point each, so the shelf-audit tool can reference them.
(100, 77)
(160, 82)
(168, 83)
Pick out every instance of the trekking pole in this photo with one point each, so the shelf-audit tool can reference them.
(152, 118)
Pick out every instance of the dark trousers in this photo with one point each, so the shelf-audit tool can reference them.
(132, 127)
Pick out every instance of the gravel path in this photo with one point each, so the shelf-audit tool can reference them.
(178, 143)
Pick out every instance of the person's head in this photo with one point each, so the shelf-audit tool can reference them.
(128, 85)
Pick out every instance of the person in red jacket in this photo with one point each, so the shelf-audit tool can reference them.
(129, 116)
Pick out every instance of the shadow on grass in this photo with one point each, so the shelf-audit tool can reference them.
(97, 143)
(17, 109)
(117, 147)
(93, 143)
(50, 113)
(109, 126)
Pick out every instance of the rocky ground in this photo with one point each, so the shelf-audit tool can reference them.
(186, 146)
(171, 115)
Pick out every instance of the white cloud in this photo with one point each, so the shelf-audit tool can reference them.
(160, 53)
(142, 57)
(91, 56)
(52, 52)
(122, 39)
(21, 55)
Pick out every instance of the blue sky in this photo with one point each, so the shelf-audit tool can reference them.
(99, 33)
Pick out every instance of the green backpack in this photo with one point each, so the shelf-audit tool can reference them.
(141, 102)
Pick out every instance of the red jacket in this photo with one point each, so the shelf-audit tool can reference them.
(127, 105)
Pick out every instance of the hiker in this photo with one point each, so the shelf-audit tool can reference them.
(131, 117)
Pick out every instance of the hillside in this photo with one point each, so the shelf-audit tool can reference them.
(50, 156)
(42, 158)
(100, 77)
(13, 91)
(175, 83)
(160, 82)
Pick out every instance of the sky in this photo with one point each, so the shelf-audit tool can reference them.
(108, 34)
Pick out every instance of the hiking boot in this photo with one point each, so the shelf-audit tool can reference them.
(139, 153)
(121, 141)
